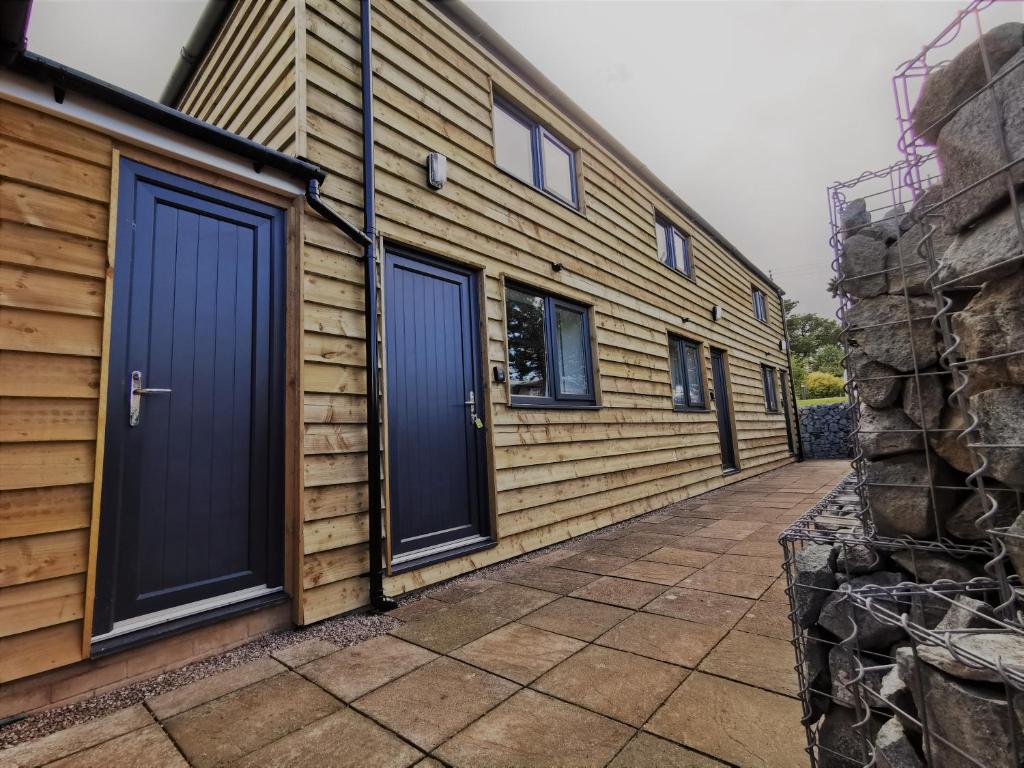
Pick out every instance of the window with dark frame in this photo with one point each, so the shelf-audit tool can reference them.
(530, 152)
(771, 397)
(687, 373)
(549, 356)
(673, 247)
(760, 308)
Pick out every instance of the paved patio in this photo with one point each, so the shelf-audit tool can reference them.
(663, 642)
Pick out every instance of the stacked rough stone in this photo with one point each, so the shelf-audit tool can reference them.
(914, 466)
(904, 393)
(825, 431)
(961, 704)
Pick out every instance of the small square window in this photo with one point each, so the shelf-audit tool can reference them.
(549, 358)
(673, 247)
(760, 308)
(687, 374)
(530, 152)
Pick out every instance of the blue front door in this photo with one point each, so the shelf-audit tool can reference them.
(191, 507)
(436, 459)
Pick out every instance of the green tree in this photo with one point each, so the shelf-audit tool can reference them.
(814, 343)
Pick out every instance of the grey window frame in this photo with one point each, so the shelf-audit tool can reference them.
(679, 345)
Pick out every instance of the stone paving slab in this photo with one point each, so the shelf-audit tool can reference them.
(670, 650)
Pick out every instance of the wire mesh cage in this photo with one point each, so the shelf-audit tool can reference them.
(904, 583)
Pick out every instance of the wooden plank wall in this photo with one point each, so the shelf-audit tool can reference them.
(246, 83)
(556, 473)
(54, 210)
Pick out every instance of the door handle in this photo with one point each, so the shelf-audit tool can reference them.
(473, 416)
(135, 393)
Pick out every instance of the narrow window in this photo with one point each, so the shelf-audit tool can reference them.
(687, 374)
(513, 144)
(771, 400)
(548, 334)
(760, 308)
(673, 247)
(530, 152)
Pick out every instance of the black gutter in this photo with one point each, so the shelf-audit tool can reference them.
(14, 16)
(378, 600)
(65, 79)
(195, 49)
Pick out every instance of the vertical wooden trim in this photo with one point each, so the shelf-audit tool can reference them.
(101, 413)
(503, 301)
(294, 429)
(595, 351)
(301, 132)
(486, 402)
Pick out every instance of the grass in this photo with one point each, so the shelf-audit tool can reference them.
(821, 401)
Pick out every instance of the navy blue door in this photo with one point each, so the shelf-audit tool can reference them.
(724, 409)
(191, 504)
(436, 452)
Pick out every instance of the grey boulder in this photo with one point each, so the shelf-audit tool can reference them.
(840, 616)
(948, 87)
(992, 326)
(886, 432)
(877, 385)
(970, 147)
(846, 667)
(1000, 433)
(963, 523)
(893, 749)
(973, 717)
(960, 660)
(927, 566)
(924, 398)
(984, 252)
(854, 217)
(880, 328)
(813, 583)
(898, 495)
(967, 613)
(855, 559)
(843, 745)
(862, 264)
(947, 442)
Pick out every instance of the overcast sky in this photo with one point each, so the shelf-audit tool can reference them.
(748, 110)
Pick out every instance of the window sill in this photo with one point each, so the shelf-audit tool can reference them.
(578, 210)
(677, 409)
(675, 271)
(557, 406)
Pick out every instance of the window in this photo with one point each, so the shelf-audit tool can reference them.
(771, 398)
(687, 374)
(760, 308)
(673, 247)
(529, 151)
(548, 349)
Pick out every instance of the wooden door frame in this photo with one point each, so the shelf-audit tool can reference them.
(488, 492)
(726, 366)
(291, 448)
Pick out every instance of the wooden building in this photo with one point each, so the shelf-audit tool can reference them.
(584, 236)
(563, 342)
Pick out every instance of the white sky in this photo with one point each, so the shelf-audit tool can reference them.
(748, 110)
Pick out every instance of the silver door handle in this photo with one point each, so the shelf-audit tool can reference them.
(135, 393)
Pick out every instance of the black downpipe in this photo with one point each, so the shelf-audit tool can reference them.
(318, 205)
(378, 600)
(798, 449)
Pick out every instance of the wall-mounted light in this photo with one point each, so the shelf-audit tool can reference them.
(716, 313)
(437, 170)
(782, 345)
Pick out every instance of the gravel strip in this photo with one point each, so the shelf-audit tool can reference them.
(343, 631)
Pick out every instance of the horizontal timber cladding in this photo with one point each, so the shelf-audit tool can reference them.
(56, 176)
(55, 182)
(555, 473)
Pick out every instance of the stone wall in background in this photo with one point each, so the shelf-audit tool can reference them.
(825, 431)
